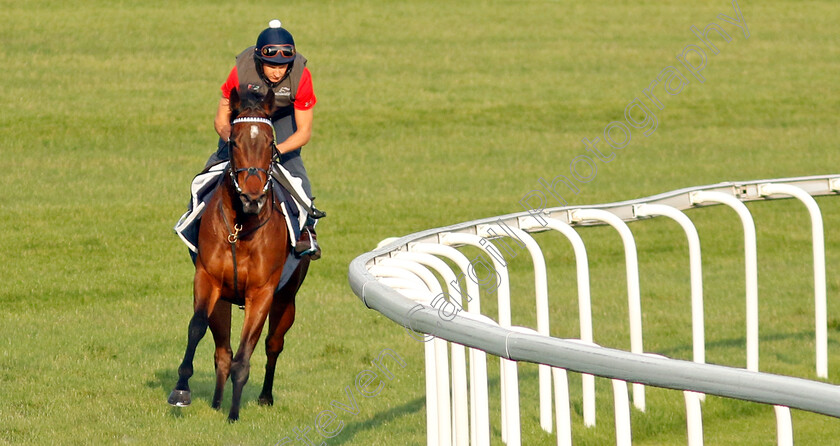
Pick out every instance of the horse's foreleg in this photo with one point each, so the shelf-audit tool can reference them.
(256, 311)
(280, 319)
(220, 327)
(180, 396)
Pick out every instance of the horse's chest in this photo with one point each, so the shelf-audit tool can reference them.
(247, 268)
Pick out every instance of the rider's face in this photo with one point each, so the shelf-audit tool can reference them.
(274, 72)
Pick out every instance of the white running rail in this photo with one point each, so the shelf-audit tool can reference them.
(397, 280)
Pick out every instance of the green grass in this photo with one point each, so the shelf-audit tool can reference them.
(430, 113)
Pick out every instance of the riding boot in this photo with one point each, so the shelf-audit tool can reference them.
(307, 244)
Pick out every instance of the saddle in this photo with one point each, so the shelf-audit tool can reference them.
(205, 184)
(203, 187)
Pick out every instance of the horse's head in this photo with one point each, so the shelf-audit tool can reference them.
(252, 147)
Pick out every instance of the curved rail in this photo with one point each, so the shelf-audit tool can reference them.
(517, 344)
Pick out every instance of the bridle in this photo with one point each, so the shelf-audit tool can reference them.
(234, 172)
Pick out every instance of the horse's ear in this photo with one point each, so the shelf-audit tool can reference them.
(268, 102)
(235, 102)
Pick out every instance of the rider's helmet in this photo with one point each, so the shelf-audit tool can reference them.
(275, 45)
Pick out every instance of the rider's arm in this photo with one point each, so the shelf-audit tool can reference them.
(304, 101)
(222, 121)
(303, 119)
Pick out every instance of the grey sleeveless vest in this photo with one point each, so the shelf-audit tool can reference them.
(284, 93)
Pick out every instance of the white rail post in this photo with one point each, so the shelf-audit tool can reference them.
(693, 417)
(784, 426)
(508, 372)
(695, 267)
(440, 347)
(479, 399)
(410, 280)
(750, 262)
(584, 302)
(481, 438)
(623, 433)
(460, 415)
(633, 294)
(820, 311)
(541, 292)
(693, 413)
(561, 393)
(563, 412)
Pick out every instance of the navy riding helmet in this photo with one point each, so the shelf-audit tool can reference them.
(275, 45)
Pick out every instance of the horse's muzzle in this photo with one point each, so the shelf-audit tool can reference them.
(252, 204)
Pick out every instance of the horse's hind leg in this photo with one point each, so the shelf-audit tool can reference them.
(180, 396)
(280, 320)
(220, 327)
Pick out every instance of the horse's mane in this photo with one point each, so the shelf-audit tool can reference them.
(250, 102)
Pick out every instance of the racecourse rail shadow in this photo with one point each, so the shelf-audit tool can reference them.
(685, 350)
(351, 429)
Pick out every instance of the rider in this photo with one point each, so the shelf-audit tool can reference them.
(275, 64)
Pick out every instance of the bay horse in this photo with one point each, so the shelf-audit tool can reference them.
(243, 243)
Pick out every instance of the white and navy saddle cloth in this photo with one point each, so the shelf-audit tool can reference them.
(205, 184)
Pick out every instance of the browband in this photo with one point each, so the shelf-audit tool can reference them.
(253, 119)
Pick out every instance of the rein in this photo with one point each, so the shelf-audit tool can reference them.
(235, 233)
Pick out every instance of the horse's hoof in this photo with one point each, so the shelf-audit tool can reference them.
(233, 418)
(179, 398)
(266, 400)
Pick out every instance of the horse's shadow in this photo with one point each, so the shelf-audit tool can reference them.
(202, 386)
